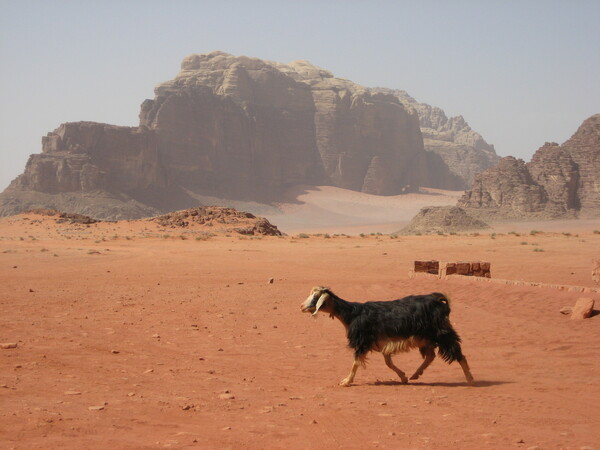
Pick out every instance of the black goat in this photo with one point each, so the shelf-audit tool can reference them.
(416, 321)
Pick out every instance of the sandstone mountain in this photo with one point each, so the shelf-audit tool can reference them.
(442, 219)
(233, 128)
(560, 181)
(463, 150)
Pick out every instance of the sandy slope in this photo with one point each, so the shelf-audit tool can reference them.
(184, 343)
(335, 210)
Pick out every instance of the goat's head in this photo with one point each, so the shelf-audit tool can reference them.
(319, 299)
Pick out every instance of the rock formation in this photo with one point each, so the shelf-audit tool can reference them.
(560, 181)
(463, 150)
(234, 128)
(442, 219)
(216, 217)
(62, 217)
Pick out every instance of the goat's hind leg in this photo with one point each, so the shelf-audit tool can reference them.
(428, 354)
(465, 367)
(390, 364)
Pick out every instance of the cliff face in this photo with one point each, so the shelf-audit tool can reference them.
(236, 122)
(237, 128)
(570, 173)
(463, 150)
(86, 156)
(561, 180)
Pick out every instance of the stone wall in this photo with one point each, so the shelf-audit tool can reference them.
(443, 268)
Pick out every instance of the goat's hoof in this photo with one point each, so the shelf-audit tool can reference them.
(345, 383)
(415, 377)
(404, 380)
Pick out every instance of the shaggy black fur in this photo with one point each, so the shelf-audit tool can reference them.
(421, 316)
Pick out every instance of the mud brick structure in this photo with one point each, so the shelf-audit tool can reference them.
(432, 267)
(465, 268)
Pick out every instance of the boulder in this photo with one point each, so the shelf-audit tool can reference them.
(583, 308)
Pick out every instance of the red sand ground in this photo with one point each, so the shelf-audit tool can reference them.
(184, 343)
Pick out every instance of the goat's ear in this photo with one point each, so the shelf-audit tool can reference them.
(322, 299)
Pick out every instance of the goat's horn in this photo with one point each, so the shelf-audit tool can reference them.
(320, 302)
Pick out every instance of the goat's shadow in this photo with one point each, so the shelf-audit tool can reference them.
(477, 383)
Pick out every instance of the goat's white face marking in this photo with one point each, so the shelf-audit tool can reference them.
(314, 301)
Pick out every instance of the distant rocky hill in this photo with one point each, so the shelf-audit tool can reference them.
(235, 128)
(560, 181)
(218, 218)
(463, 150)
(443, 219)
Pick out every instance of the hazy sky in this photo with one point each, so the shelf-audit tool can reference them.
(520, 72)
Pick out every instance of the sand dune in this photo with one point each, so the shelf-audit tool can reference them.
(335, 210)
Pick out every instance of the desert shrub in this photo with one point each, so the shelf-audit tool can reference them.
(303, 236)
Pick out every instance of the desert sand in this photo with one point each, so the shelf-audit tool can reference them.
(130, 335)
(328, 209)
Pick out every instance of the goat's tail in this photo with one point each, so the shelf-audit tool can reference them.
(447, 338)
(449, 348)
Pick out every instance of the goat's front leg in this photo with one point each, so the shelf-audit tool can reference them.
(350, 378)
(429, 355)
(390, 364)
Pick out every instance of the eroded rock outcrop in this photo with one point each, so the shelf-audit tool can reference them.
(216, 217)
(560, 181)
(441, 220)
(235, 128)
